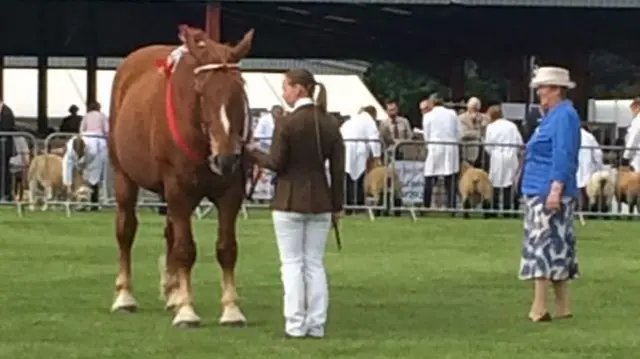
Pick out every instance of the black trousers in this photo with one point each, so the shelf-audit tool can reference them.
(6, 150)
(583, 202)
(509, 201)
(450, 183)
(354, 191)
(95, 197)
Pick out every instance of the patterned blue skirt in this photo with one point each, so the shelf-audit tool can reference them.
(549, 248)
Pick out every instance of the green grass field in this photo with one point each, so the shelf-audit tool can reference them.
(438, 288)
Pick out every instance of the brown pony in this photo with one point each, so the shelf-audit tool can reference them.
(181, 135)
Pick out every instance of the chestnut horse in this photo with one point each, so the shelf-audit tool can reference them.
(181, 134)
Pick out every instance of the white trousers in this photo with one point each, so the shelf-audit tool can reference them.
(302, 239)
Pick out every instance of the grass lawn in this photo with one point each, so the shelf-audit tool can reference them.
(438, 288)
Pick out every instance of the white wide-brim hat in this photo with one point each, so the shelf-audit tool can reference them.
(552, 76)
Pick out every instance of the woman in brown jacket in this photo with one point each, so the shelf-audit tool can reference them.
(304, 201)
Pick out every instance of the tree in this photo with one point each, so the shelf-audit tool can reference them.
(613, 76)
(391, 81)
(388, 81)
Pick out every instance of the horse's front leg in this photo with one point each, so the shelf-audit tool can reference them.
(169, 285)
(227, 254)
(182, 257)
(126, 226)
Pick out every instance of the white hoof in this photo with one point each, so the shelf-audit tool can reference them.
(172, 301)
(186, 317)
(124, 302)
(32, 208)
(231, 315)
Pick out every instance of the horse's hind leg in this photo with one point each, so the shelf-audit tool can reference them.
(126, 192)
(48, 197)
(227, 253)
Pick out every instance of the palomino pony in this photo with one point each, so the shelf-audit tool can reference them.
(181, 134)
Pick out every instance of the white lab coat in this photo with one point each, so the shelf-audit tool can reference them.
(632, 140)
(361, 137)
(264, 131)
(21, 158)
(589, 158)
(502, 142)
(441, 125)
(94, 161)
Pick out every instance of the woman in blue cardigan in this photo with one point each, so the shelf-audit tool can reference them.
(550, 192)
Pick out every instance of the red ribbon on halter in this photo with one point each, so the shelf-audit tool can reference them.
(172, 121)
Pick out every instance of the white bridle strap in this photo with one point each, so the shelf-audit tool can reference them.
(211, 67)
(247, 122)
(247, 114)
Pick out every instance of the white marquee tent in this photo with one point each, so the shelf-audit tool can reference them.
(346, 93)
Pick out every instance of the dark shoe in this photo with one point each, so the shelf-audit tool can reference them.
(543, 319)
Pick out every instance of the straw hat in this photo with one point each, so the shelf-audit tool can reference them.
(552, 76)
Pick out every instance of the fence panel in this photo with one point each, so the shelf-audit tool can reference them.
(357, 199)
(402, 192)
(434, 191)
(16, 151)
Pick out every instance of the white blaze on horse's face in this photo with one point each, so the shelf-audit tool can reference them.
(214, 143)
(224, 119)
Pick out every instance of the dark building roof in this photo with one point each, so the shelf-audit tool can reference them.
(514, 3)
(403, 31)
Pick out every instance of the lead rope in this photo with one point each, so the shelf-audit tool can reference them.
(336, 230)
(249, 166)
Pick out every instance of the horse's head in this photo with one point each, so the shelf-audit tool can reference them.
(222, 104)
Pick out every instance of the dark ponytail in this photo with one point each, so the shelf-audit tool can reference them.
(321, 97)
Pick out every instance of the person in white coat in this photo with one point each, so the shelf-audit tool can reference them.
(442, 132)
(631, 154)
(590, 160)
(503, 143)
(361, 140)
(263, 132)
(265, 125)
(94, 129)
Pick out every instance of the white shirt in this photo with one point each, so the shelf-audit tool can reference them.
(264, 131)
(361, 137)
(95, 123)
(632, 142)
(503, 143)
(21, 159)
(589, 158)
(441, 125)
(302, 102)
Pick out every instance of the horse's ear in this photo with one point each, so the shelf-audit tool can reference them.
(241, 50)
(195, 39)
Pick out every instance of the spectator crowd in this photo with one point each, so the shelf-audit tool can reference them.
(481, 138)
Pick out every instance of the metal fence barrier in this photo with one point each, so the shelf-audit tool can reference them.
(397, 187)
(415, 184)
(358, 198)
(16, 151)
